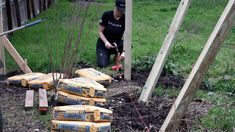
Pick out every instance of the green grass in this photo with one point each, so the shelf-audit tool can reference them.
(222, 116)
(151, 21)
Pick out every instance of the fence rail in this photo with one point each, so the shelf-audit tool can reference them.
(17, 12)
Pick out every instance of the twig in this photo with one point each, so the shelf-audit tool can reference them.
(140, 116)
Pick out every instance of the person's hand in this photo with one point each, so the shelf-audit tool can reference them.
(121, 57)
(123, 54)
(108, 45)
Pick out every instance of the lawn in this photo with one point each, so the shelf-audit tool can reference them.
(151, 20)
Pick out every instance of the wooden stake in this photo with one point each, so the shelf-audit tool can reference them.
(2, 54)
(15, 55)
(205, 59)
(164, 51)
(128, 39)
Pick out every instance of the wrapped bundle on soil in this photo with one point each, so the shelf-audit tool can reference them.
(23, 79)
(82, 113)
(82, 86)
(93, 74)
(71, 126)
(71, 99)
(46, 81)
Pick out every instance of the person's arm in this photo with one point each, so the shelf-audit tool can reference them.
(103, 38)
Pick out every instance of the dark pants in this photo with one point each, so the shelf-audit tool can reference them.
(103, 54)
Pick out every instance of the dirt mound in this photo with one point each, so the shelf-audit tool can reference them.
(166, 79)
(131, 115)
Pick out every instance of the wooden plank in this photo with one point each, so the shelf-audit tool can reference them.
(23, 11)
(49, 3)
(44, 5)
(127, 40)
(205, 59)
(17, 11)
(2, 54)
(9, 19)
(165, 50)
(33, 8)
(43, 102)
(40, 6)
(28, 9)
(29, 99)
(15, 55)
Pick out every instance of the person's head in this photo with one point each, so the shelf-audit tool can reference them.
(120, 5)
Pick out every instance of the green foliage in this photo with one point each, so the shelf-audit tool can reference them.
(145, 62)
(221, 116)
(220, 119)
(166, 92)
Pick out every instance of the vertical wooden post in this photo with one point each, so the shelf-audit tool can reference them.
(128, 39)
(49, 3)
(2, 54)
(205, 59)
(17, 11)
(9, 19)
(32, 7)
(165, 50)
(40, 6)
(44, 4)
(28, 9)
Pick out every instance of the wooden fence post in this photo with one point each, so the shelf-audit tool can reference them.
(128, 39)
(17, 11)
(28, 9)
(33, 8)
(9, 19)
(205, 59)
(165, 50)
(44, 4)
(49, 3)
(40, 6)
(2, 54)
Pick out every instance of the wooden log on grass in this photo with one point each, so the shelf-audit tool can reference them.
(205, 59)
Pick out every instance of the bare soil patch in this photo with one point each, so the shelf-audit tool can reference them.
(129, 114)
